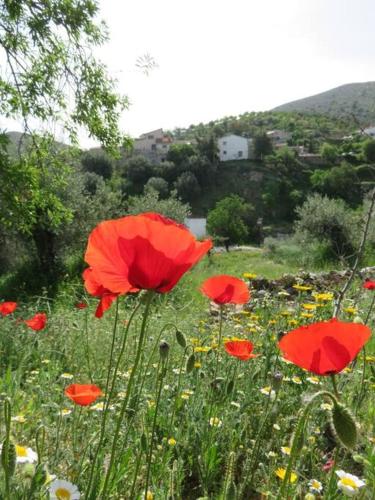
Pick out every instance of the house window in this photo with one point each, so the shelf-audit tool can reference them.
(150, 137)
(224, 152)
(240, 153)
(153, 147)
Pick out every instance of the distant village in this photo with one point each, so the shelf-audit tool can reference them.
(155, 145)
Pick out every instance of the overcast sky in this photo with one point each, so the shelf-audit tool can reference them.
(218, 58)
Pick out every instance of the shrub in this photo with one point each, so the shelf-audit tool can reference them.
(327, 221)
(150, 202)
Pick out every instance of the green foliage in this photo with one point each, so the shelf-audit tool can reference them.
(180, 153)
(171, 207)
(338, 182)
(52, 72)
(228, 219)
(158, 184)
(369, 150)
(187, 186)
(329, 152)
(262, 146)
(305, 128)
(138, 170)
(329, 221)
(32, 186)
(98, 163)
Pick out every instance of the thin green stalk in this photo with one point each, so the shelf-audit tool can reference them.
(254, 455)
(88, 345)
(178, 390)
(148, 299)
(161, 375)
(142, 379)
(93, 464)
(296, 444)
(334, 384)
(363, 376)
(7, 469)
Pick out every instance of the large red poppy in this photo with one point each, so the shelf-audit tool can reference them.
(97, 290)
(146, 251)
(325, 347)
(83, 394)
(37, 322)
(369, 285)
(224, 289)
(241, 349)
(7, 308)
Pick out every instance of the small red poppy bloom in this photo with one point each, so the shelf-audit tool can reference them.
(81, 305)
(369, 285)
(83, 394)
(224, 289)
(7, 308)
(146, 251)
(97, 290)
(241, 349)
(326, 347)
(37, 322)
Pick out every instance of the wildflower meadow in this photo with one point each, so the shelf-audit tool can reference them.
(165, 375)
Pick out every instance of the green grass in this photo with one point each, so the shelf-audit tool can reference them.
(206, 461)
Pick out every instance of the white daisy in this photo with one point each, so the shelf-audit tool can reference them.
(25, 455)
(349, 484)
(63, 490)
(315, 486)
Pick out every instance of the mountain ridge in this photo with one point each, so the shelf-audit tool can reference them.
(355, 100)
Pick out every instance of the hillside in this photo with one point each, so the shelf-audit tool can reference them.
(356, 99)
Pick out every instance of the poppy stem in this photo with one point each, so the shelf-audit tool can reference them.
(249, 467)
(160, 376)
(148, 299)
(334, 384)
(108, 395)
(361, 390)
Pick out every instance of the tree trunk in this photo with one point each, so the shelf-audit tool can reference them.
(45, 246)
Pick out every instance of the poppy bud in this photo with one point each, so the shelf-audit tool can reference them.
(344, 425)
(180, 337)
(277, 380)
(163, 349)
(190, 363)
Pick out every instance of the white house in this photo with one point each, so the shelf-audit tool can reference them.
(233, 147)
(197, 226)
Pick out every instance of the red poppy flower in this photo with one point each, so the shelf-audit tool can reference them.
(146, 251)
(83, 394)
(7, 308)
(97, 290)
(81, 305)
(325, 347)
(241, 349)
(38, 322)
(226, 289)
(369, 285)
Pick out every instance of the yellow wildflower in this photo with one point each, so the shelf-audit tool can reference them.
(302, 288)
(280, 472)
(309, 307)
(172, 442)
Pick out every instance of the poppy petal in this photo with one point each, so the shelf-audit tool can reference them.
(324, 347)
(225, 289)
